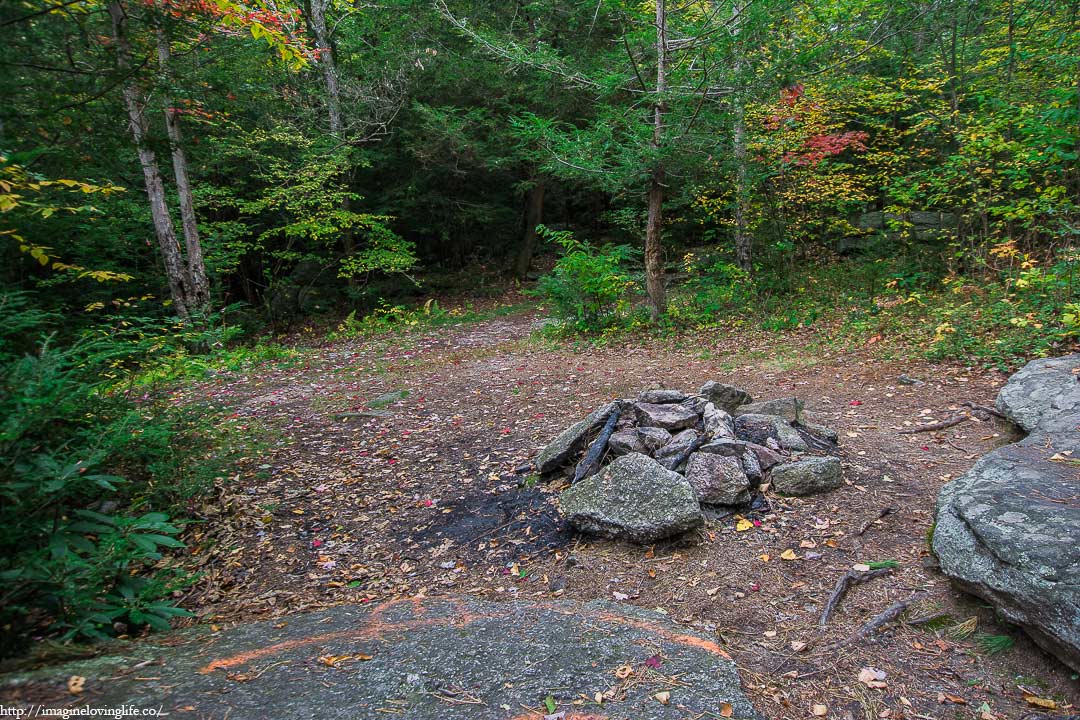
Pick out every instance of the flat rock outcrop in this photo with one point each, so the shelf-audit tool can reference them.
(447, 658)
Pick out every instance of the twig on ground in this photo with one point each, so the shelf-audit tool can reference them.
(943, 425)
(851, 577)
(984, 409)
(881, 513)
(883, 618)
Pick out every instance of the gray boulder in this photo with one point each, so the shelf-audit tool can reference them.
(760, 428)
(626, 441)
(661, 397)
(791, 409)
(725, 397)
(653, 438)
(668, 417)
(717, 479)
(634, 498)
(572, 440)
(1044, 395)
(1009, 529)
(807, 477)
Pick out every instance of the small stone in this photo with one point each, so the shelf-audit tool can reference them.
(791, 409)
(725, 397)
(653, 438)
(661, 397)
(626, 441)
(807, 476)
(668, 417)
(717, 479)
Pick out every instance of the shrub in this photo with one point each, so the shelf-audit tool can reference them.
(589, 287)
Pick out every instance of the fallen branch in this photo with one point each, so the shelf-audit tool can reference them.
(851, 577)
(944, 424)
(984, 409)
(883, 618)
(591, 462)
(685, 454)
(881, 513)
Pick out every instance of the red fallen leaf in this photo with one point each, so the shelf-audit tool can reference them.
(925, 447)
(506, 431)
(316, 543)
(757, 523)
(855, 402)
(654, 662)
(754, 587)
(426, 503)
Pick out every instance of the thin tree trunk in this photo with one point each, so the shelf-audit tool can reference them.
(198, 284)
(328, 64)
(155, 188)
(654, 251)
(534, 215)
(743, 256)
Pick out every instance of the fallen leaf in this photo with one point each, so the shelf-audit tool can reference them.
(624, 671)
(798, 645)
(654, 662)
(820, 711)
(808, 544)
(743, 525)
(861, 567)
(599, 698)
(789, 554)
(1040, 702)
(954, 699)
(764, 557)
(663, 697)
(75, 684)
(726, 710)
(770, 633)
(872, 678)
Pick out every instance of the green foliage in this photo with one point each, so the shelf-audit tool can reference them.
(88, 479)
(589, 288)
(994, 644)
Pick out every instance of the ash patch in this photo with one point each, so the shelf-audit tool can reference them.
(509, 525)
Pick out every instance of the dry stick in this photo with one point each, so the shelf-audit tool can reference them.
(851, 577)
(590, 463)
(947, 423)
(984, 409)
(881, 513)
(885, 617)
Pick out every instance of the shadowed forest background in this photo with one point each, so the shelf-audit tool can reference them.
(198, 186)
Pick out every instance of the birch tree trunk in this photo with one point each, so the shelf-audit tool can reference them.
(743, 257)
(198, 284)
(175, 270)
(654, 251)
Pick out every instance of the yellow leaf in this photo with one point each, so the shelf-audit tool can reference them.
(1041, 702)
(789, 554)
(726, 710)
(663, 697)
(743, 525)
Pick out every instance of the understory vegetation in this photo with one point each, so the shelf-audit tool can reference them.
(182, 183)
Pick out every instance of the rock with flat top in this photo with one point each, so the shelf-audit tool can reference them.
(626, 441)
(669, 416)
(661, 397)
(791, 409)
(807, 476)
(653, 438)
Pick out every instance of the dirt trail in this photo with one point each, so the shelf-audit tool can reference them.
(351, 507)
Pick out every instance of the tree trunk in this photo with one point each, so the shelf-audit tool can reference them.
(743, 256)
(155, 188)
(328, 65)
(534, 215)
(198, 284)
(654, 251)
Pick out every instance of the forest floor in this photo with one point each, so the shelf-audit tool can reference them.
(350, 504)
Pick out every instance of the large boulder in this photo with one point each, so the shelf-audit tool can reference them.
(1044, 395)
(807, 477)
(572, 440)
(634, 498)
(666, 416)
(718, 479)
(1008, 530)
(725, 397)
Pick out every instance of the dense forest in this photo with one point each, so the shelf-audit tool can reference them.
(180, 180)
